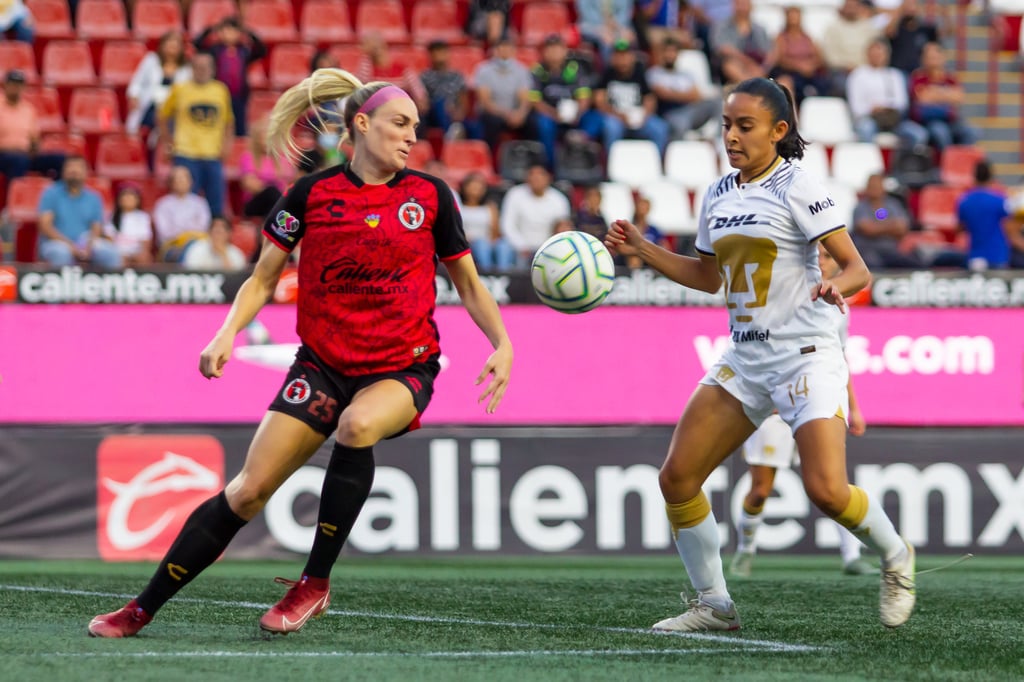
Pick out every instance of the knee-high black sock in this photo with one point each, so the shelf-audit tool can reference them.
(202, 539)
(346, 487)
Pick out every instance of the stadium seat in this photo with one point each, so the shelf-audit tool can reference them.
(414, 57)
(579, 163)
(826, 120)
(62, 143)
(695, 63)
(436, 20)
(256, 76)
(347, 56)
(105, 188)
(15, 54)
(51, 18)
(816, 20)
(47, 104)
(289, 64)
(23, 197)
(616, 201)
(465, 59)
(153, 18)
(516, 156)
(845, 198)
(956, 166)
(273, 21)
(815, 161)
(670, 208)
(770, 17)
(528, 55)
(540, 19)
(205, 13)
(854, 162)
(691, 163)
(239, 146)
(462, 157)
(634, 162)
(101, 20)
(121, 157)
(260, 104)
(385, 17)
(118, 61)
(420, 155)
(325, 22)
(94, 111)
(68, 63)
(937, 208)
(245, 235)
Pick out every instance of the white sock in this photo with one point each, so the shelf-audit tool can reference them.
(877, 532)
(747, 532)
(849, 546)
(699, 548)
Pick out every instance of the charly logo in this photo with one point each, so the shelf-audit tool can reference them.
(411, 214)
(146, 488)
(286, 222)
(373, 220)
(297, 391)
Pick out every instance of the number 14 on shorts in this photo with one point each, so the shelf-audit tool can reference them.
(799, 387)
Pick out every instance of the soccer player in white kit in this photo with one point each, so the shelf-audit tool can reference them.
(757, 233)
(771, 448)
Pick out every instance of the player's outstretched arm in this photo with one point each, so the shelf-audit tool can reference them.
(257, 289)
(696, 273)
(853, 272)
(484, 311)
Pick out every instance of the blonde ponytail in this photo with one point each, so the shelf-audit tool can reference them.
(323, 85)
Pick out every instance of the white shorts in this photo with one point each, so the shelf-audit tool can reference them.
(772, 445)
(811, 386)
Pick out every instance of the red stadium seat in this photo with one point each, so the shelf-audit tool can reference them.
(436, 20)
(104, 188)
(465, 59)
(47, 104)
(420, 155)
(956, 167)
(411, 56)
(94, 111)
(205, 13)
(51, 18)
(289, 64)
(101, 20)
(543, 18)
(68, 63)
(325, 22)
(937, 208)
(245, 235)
(256, 76)
(527, 56)
(119, 60)
(15, 54)
(121, 157)
(260, 104)
(462, 157)
(384, 17)
(239, 146)
(153, 18)
(271, 20)
(63, 143)
(347, 56)
(23, 197)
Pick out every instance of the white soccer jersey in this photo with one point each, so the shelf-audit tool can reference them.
(764, 235)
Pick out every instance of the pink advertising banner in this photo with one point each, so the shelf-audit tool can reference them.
(128, 364)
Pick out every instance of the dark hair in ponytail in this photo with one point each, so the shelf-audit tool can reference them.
(778, 100)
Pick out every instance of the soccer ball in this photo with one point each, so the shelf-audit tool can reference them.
(572, 272)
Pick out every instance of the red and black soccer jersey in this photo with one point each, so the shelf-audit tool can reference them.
(369, 258)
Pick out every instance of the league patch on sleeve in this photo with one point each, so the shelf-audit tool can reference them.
(286, 225)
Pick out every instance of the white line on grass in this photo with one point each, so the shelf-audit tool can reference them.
(397, 654)
(703, 636)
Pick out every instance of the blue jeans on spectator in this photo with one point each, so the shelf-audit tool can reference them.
(945, 133)
(910, 134)
(654, 128)
(493, 255)
(208, 178)
(548, 130)
(22, 30)
(59, 254)
(14, 164)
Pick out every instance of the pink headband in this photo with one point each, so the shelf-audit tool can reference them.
(382, 96)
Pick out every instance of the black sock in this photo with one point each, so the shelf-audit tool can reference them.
(202, 539)
(346, 487)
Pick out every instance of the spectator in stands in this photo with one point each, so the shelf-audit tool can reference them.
(1013, 228)
(879, 223)
(71, 221)
(627, 102)
(447, 94)
(561, 97)
(130, 228)
(529, 213)
(848, 38)
(214, 251)
(680, 101)
(480, 222)
(200, 111)
(326, 123)
(740, 46)
(19, 133)
(604, 23)
(180, 216)
(660, 19)
(233, 48)
(502, 92)
(263, 176)
(981, 212)
(935, 97)
(589, 218)
(700, 18)
(487, 20)
(152, 81)
(797, 61)
(17, 20)
(376, 64)
(641, 211)
(908, 32)
(877, 94)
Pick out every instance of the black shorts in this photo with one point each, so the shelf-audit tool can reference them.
(316, 394)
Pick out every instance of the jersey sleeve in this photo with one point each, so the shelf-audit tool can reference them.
(703, 241)
(814, 211)
(449, 237)
(286, 222)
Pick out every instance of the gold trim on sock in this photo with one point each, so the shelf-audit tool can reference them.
(687, 514)
(753, 511)
(856, 509)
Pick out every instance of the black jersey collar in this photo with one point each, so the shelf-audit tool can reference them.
(358, 181)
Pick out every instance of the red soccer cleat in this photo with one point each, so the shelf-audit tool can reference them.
(305, 599)
(125, 622)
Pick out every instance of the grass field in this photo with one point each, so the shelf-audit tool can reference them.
(515, 619)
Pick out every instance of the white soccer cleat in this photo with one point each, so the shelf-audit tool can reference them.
(898, 595)
(742, 564)
(701, 617)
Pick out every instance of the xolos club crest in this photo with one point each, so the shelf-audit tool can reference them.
(411, 214)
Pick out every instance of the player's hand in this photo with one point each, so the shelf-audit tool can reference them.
(624, 238)
(857, 424)
(829, 292)
(215, 356)
(498, 367)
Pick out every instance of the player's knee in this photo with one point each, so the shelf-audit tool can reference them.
(246, 496)
(677, 486)
(357, 429)
(828, 496)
